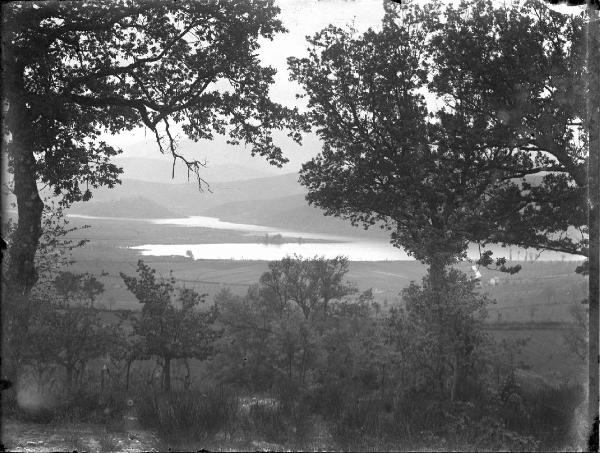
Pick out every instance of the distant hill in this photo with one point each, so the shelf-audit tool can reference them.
(160, 170)
(187, 199)
(137, 207)
(218, 152)
(290, 212)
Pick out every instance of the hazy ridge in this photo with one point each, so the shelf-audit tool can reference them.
(134, 207)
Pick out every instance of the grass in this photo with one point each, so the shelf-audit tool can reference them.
(211, 421)
(193, 415)
(546, 354)
(75, 442)
(107, 443)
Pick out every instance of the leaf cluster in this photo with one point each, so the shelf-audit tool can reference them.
(448, 127)
(78, 70)
(170, 325)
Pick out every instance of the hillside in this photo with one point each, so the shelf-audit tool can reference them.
(289, 212)
(217, 151)
(187, 199)
(160, 170)
(133, 207)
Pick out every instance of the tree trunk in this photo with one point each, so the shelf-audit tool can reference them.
(167, 375)
(436, 273)
(303, 368)
(455, 377)
(70, 371)
(593, 108)
(325, 304)
(129, 362)
(21, 274)
(187, 383)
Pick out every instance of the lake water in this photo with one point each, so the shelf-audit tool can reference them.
(356, 249)
(213, 222)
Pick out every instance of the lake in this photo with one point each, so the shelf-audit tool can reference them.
(356, 249)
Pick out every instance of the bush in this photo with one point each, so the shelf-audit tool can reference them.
(80, 406)
(268, 422)
(190, 414)
(547, 413)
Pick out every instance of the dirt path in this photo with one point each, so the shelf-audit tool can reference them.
(32, 437)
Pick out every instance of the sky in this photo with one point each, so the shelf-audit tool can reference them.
(300, 18)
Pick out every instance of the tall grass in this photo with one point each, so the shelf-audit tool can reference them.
(191, 414)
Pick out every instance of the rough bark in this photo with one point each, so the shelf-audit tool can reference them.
(167, 375)
(455, 377)
(70, 380)
(21, 272)
(437, 270)
(129, 362)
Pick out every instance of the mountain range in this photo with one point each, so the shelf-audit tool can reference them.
(160, 170)
(277, 201)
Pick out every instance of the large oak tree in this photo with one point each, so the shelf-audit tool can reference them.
(73, 70)
(501, 159)
(503, 156)
(386, 158)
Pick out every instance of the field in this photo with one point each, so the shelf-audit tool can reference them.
(540, 292)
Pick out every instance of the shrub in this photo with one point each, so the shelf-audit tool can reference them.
(189, 414)
(547, 413)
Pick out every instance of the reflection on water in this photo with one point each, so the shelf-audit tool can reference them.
(215, 223)
(355, 251)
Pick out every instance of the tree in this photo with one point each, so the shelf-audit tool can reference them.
(310, 283)
(267, 343)
(540, 97)
(535, 113)
(170, 326)
(86, 285)
(75, 71)
(62, 329)
(246, 353)
(386, 159)
(22, 311)
(71, 336)
(448, 332)
(511, 137)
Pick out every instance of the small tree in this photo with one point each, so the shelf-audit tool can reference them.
(442, 336)
(309, 283)
(66, 331)
(71, 337)
(246, 354)
(264, 346)
(21, 312)
(294, 326)
(170, 326)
